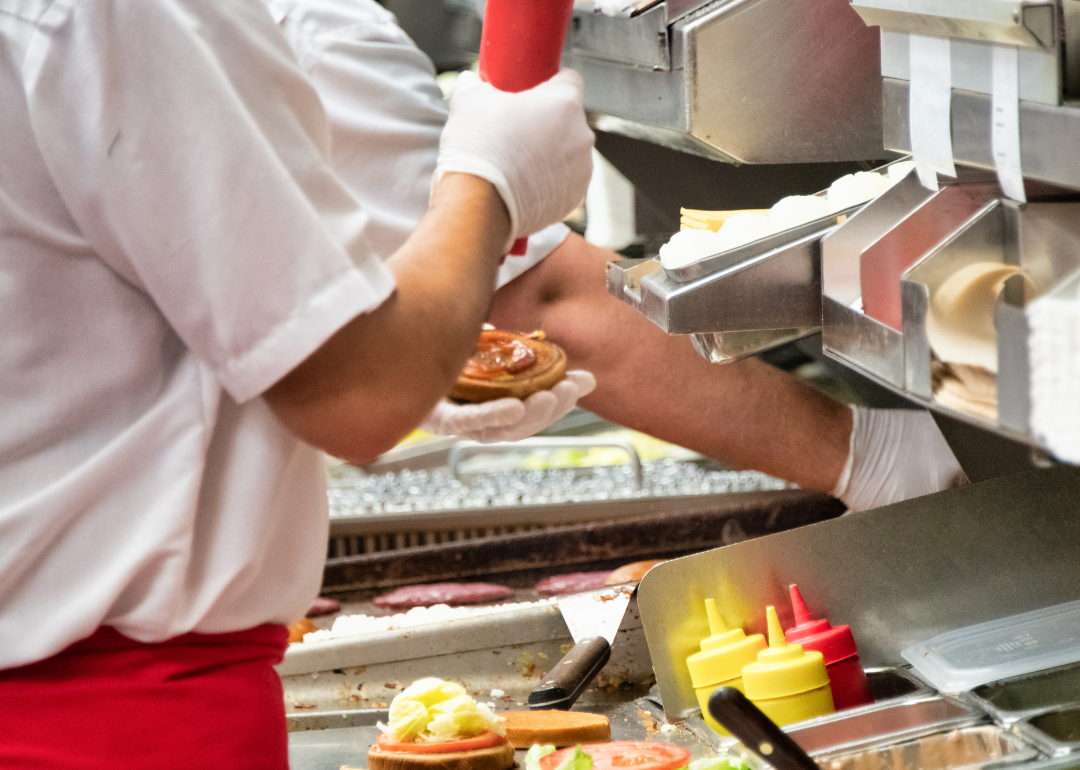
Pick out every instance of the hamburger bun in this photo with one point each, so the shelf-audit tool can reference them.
(492, 758)
(299, 628)
(485, 378)
(561, 728)
(631, 572)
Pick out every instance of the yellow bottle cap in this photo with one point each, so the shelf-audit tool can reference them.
(723, 654)
(783, 669)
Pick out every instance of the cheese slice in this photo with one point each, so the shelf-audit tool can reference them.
(696, 219)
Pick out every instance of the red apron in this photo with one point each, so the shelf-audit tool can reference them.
(108, 702)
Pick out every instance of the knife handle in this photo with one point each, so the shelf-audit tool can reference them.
(571, 675)
(757, 732)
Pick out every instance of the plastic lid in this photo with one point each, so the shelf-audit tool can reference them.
(723, 654)
(835, 643)
(783, 669)
(999, 649)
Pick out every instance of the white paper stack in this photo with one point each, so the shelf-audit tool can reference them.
(1054, 345)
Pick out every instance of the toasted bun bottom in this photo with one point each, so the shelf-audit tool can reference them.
(493, 758)
(546, 373)
(561, 728)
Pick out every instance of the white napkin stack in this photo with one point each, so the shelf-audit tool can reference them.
(1054, 346)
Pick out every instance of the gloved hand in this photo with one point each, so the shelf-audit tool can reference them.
(894, 455)
(533, 146)
(509, 419)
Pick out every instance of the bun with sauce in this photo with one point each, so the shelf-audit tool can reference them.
(435, 724)
(510, 365)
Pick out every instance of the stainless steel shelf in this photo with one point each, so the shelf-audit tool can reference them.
(1049, 134)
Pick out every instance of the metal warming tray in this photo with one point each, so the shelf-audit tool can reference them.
(963, 747)
(509, 650)
(902, 720)
(1030, 695)
(740, 301)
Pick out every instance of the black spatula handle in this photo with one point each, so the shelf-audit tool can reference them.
(757, 732)
(571, 675)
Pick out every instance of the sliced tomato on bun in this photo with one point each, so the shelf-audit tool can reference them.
(619, 755)
(484, 740)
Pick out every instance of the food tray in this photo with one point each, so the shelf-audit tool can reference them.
(964, 747)
(890, 721)
(1056, 732)
(792, 237)
(1024, 696)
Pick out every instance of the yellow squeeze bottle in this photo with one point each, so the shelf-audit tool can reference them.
(721, 660)
(787, 683)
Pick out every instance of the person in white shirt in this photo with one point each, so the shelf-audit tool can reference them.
(192, 307)
(386, 112)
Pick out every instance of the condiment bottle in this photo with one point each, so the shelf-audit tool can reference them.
(836, 644)
(721, 660)
(786, 682)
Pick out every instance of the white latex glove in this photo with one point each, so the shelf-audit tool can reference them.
(894, 455)
(533, 146)
(509, 419)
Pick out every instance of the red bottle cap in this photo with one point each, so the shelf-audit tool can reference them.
(835, 643)
(521, 41)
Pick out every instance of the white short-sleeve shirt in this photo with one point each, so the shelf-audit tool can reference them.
(386, 112)
(172, 242)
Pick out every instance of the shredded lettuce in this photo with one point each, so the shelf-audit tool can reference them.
(431, 691)
(535, 754)
(407, 718)
(434, 710)
(717, 763)
(578, 760)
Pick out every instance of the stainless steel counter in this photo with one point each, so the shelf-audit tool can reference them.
(637, 719)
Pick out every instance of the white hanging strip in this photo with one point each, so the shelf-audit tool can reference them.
(929, 101)
(1005, 122)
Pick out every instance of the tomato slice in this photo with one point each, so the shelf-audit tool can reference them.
(484, 740)
(617, 755)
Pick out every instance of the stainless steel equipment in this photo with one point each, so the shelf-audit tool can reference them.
(1030, 695)
(738, 302)
(896, 575)
(1036, 237)
(964, 747)
(906, 719)
(372, 514)
(509, 651)
(1047, 35)
(1036, 27)
(1056, 733)
(741, 81)
(593, 618)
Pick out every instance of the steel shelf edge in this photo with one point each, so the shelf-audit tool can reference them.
(1048, 133)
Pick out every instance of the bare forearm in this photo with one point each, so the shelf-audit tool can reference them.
(747, 414)
(377, 378)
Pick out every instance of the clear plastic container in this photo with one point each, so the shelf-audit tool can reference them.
(999, 649)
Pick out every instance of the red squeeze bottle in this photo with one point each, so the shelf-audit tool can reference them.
(837, 645)
(520, 47)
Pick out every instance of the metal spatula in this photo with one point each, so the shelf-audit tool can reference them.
(593, 618)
